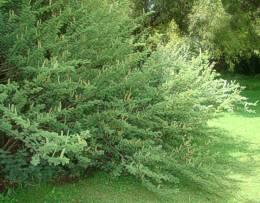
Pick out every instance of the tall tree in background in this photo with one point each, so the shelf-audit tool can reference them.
(229, 30)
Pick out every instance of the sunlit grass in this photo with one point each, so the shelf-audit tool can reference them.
(244, 128)
(101, 188)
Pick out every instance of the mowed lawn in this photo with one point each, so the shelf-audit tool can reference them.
(239, 155)
(244, 130)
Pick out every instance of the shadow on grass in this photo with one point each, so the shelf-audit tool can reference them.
(102, 188)
(228, 151)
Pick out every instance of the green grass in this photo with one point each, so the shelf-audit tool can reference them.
(243, 130)
(238, 145)
(101, 188)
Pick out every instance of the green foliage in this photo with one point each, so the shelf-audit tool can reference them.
(85, 98)
(226, 34)
(58, 29)
(38, 115)
(163, 11)
(233, 147)
(228, 30)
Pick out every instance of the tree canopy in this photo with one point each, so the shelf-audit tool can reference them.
(229, 30)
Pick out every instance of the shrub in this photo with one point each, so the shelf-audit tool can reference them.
(92, 105)
(45, 44)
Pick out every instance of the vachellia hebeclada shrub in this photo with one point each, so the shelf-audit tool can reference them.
(87, 32)
(89, 104)
(85, 36)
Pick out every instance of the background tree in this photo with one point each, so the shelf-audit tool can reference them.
(229, 30)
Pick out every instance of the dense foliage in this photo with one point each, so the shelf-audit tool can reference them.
(81, 95)
(229, 30)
